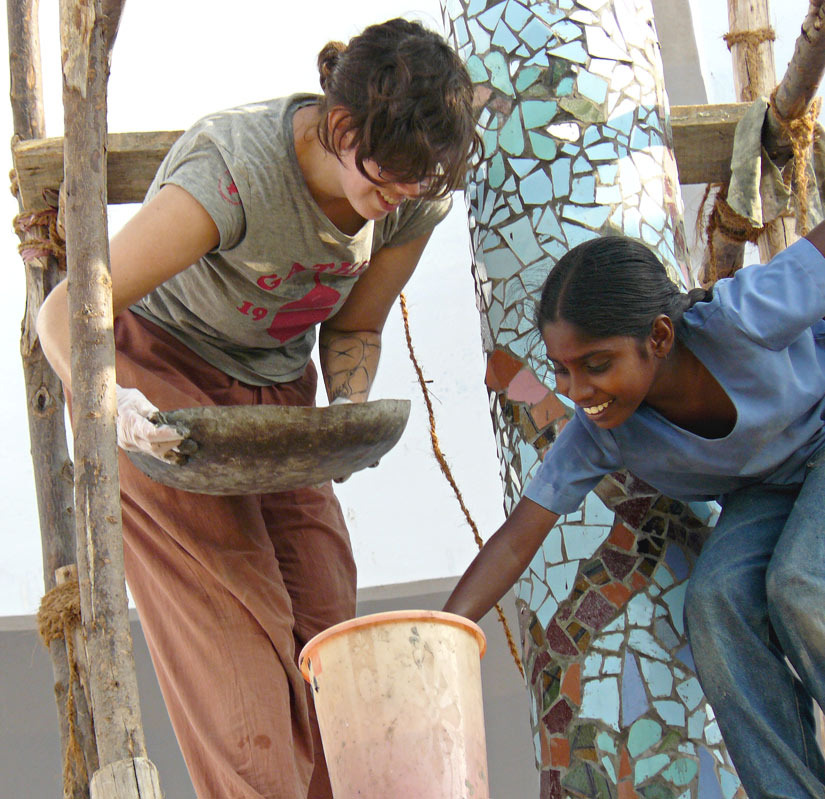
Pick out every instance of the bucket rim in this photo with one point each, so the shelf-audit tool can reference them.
(385, 617)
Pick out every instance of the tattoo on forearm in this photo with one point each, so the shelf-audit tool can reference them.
(349, 363)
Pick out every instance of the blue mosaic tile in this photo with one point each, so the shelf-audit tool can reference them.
(634, 699)
(709, 787)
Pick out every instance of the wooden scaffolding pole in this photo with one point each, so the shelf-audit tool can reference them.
(53, 474)
(87, 32)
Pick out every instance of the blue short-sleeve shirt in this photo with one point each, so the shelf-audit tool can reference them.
(762, 337)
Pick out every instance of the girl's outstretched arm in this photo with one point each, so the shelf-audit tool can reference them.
(502, 560)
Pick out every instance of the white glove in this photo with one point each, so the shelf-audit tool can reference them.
(135, 431)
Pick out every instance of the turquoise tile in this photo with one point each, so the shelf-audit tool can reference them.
(606, 743)
(543, 146)
(565, 87)
(547, 12)
(527, 76)
(596, 512)
(535, 34)
(480, 37)
(611, 642)
(682, 771)
(643, 734)
(540, 59)
(587, 215)
(478, 72)
(592, 87)
(511, 137)
(675, 599)
(566, 30)
(614, 626)
(501, 264)
(609, 768)
(690, 692)
(561, 579)
(516, 15)
(560, 172)
(475, 7)
(549, 224)
(546, 611)
(495, 173)
(578, 235)
(662, 576)
(522, 240)
(600, 701)
(648, 767)
(642, 641)
(657, 676)
(712, 733)
(537, 189)
(604, 151)
(503, 37)
(491, 17)
(673, 713)
(551, 547)
(523, 166)
(538, 113)
(581, 165)
(729, 782)
(592, 665)
(612, 665)
(509, 184)
(499, 73)
(572, 51)
(634, 698)
(581, 542)
(515, 204)
(461, 35)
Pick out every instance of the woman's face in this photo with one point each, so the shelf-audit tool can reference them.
(376, 196)
(608, 378)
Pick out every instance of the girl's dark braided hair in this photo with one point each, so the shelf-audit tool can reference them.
(612, 286)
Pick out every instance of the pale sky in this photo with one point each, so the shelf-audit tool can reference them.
(176, 61)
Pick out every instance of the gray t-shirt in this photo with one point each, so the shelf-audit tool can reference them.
(251, 307)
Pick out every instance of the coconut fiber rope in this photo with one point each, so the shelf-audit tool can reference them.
(445, 468)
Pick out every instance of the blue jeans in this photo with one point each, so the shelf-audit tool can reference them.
(755, 598)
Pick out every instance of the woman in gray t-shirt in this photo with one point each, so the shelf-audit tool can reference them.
(265, 224)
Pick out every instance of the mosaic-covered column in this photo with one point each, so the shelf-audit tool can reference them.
(577, 144)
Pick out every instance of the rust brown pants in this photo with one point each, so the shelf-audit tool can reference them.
(229, 589)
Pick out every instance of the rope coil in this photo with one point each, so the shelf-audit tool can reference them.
(34, 246)
(58, 617)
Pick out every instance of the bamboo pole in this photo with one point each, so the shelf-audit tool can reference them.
(47, 432)
(87, 37)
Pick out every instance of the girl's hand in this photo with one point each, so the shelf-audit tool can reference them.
(502, 560)
(136, 432)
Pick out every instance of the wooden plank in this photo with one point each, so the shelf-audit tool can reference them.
(132, 163)
(702, 139)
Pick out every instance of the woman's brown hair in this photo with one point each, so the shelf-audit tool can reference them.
(408, 99)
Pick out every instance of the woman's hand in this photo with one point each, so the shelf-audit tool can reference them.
(137, 432)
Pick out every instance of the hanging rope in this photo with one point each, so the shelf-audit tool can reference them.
(800, 132)
(445, 468)
(58, 617)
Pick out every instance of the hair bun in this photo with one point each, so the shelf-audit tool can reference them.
(327, 59)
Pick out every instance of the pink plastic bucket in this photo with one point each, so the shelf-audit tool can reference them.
(398, 697)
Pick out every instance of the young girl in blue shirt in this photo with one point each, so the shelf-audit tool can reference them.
(711, 395)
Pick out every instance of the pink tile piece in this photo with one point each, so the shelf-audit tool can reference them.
(525, 387)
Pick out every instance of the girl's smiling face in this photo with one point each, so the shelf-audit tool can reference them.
(608, 378)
